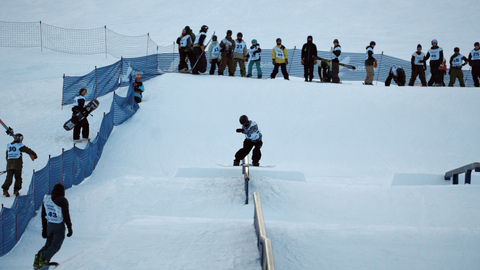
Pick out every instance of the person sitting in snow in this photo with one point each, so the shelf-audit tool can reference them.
(15, 164)
(253, 138)
(138, 88)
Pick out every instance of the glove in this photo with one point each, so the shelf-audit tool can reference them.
(44, 234)
(203, 48)
(239, 130)
(244, 59)
(315, 61)
(302, 62)
(33, 157)
(273, 62)
(286, 61)
(70, 232)
(375, 64)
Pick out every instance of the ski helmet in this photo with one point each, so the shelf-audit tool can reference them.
(18, 137)
(239, 34)
(419, 46)
(229, 32)
(254, 41)
(434, 41)
(476, 44)
(456, 49)
(279, 39)
(372, 43)
(243, 120)
(335, 41)
(204, 28)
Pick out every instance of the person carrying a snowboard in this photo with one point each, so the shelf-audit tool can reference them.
(336, 51)
(138, 88)
(15, 164)
(55, 215)
(370, 64)
(253, 138)
(79, 107)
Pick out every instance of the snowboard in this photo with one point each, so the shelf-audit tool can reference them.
(90, 107)
(246, 165)
(341, 64)
(47, 266)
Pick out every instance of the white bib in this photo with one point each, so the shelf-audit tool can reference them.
(216, 51)
(197, 39)
(338, 48)
(184, 41)
(278, 53)
(475, 55)
(418, 58)
(457, 61)
(366, 54)
(256, 56)
(394, 70)
(14, 150)
(75, 103)
(53, 211)
(239, 46)
(435, 53)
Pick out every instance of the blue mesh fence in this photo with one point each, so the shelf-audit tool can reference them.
(69, 168)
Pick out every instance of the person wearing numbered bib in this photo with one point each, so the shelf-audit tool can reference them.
(279, 59)
(370, 64)
(226, 48)
(418, 66)
(474, 62)
(397, 74)
(456, 67)
(254, 55)
(253, 139)
(184, 49)
(55, 215)
(240, 54)
(200, 65)
(435, 54)
(214, 54)
(15, 164)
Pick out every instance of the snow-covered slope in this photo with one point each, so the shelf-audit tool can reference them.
(358, 182)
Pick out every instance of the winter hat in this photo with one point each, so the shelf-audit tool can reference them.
(187, 28)
(456, 49)
(214, 38)
(59, 189)
(335, 41)
(229, 32)
(476, 44)
(419, 46)
(310, 37)
(372, 43)
(137, 76)
(279, 39)
(254, 41)
(239, 34)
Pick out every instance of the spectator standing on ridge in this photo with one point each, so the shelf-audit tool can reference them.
(418, 66)
(214, 54)
(435, 54)
(337, 50)
(456, 67)
(474, 61)
(370, 64)
(442, 70)
(55, 215)
(138, 88)
(253, 138)
(279, 59)
(254, 55)
(227, 46)
(184, 44)
(15, 164)
(397, 74)
(240, 54)
(309, 58)
(200, 65)
(84, 126)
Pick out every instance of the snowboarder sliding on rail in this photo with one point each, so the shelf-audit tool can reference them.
(15, 164)
(253, 138)
(55, 215)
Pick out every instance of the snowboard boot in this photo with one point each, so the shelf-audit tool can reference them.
(256, 163)
(15, 192)
(39, 262)
(249, 75)
(236, 162)
(5, 193)
(259, 76)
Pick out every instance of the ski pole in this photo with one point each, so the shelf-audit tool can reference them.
(202, 53)
(381, 57)
(9, 130)
(293, 55)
